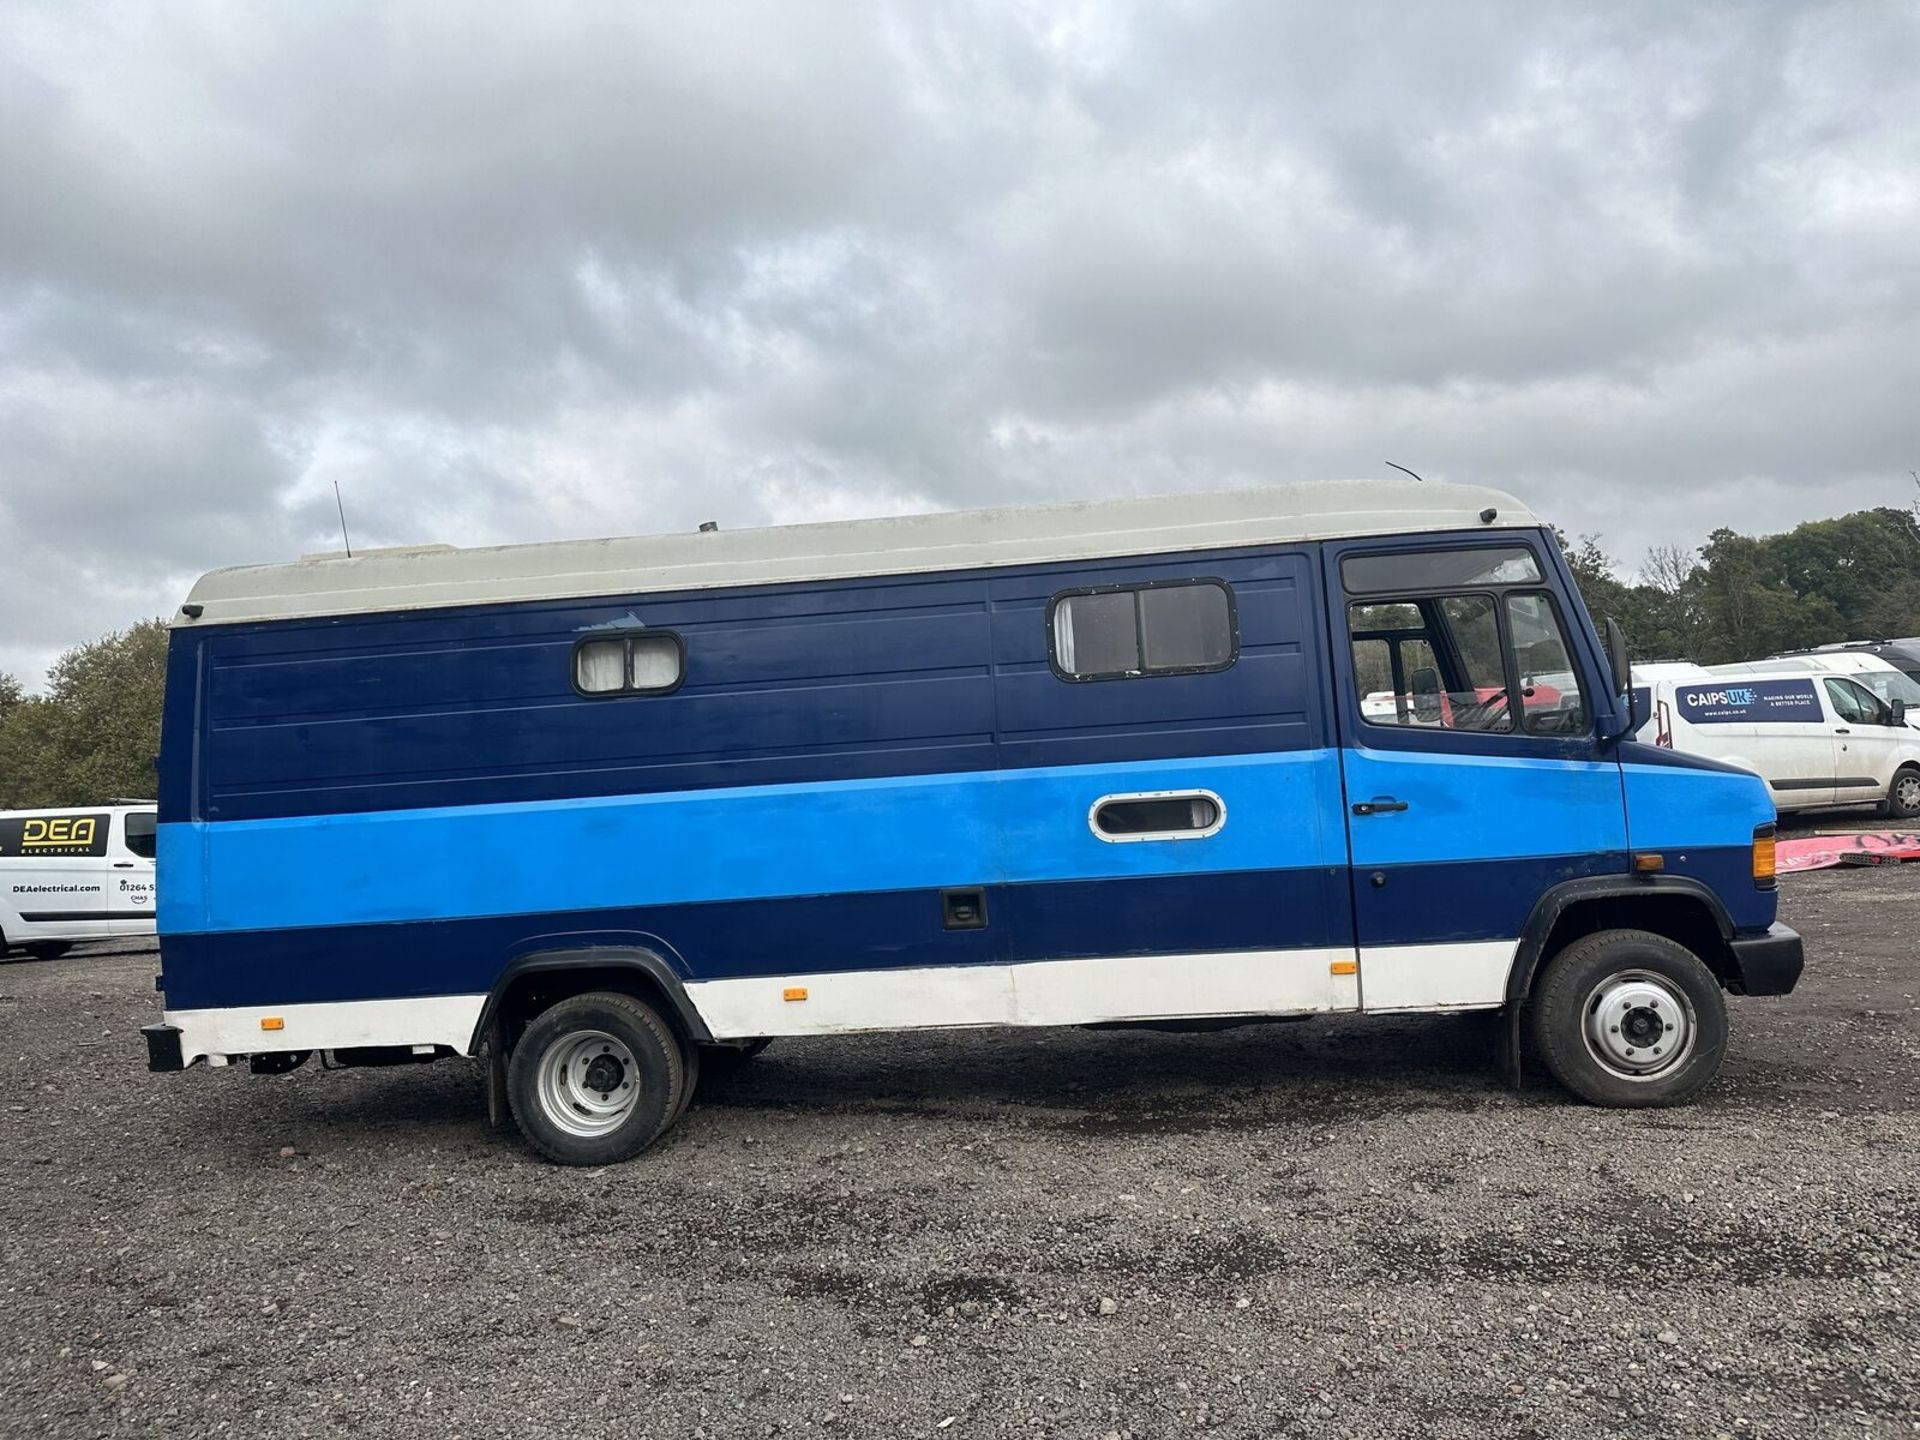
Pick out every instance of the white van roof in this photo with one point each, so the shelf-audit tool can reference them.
(1654, 671)
(39, 810)
(442, 575)
(1835, 662)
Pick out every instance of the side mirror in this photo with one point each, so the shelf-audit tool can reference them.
(1899, 709)
(1426, 695)
(1617, 657)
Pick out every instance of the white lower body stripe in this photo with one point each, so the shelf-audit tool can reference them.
(334, 1025)
(1470, 975)
(1042, 992)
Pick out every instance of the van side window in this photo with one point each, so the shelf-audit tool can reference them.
(647, 662)
(1855, 704)
(1186, 627)
(140, 833)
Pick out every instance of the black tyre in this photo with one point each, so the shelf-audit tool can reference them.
(596, 1079)
(47, 949)
(690, 1083)
(1629, 1019)
(1903, 795)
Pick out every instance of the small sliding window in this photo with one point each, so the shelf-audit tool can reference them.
(643, 662)
(1126, 632)
(1158, 815)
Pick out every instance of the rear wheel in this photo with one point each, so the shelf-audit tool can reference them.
(48, 949)
(1903, 796)
(1628, 1018)
(596, 1079)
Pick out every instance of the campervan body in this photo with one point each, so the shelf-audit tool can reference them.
(75, 874)
(1819, 738)
(602, 813)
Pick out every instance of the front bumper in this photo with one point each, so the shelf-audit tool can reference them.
(1768, 964)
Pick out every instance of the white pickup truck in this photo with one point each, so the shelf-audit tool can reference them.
(75, 874)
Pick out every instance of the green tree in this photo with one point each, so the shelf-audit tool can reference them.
(1866, 565)
(94, 734)
(1750, 608)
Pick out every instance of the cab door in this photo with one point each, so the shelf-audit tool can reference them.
(1478, 783)
(130, 861)
(1868, 746)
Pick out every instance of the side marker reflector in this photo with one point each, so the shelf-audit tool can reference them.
(1344, 967)
(794, 992)
(272, 1022)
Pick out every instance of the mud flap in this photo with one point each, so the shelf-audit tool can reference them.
(493, 1056)
(1507, 1045)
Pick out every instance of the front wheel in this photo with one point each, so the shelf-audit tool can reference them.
(1630, 1019)
(596, 1079)
(1903, 796)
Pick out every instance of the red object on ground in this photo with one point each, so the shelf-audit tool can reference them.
(1822, 852)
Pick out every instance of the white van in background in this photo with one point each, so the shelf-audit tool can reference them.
(1817, 739)
(1883, 677)
(75, 874)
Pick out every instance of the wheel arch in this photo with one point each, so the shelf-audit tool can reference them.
(532, 981)
(1905, 767)
(1682, 909)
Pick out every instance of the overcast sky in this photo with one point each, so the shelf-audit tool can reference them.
(516, 272)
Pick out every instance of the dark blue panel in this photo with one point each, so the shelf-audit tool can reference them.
(1434, 904)
(1491, 899)
(1728, 872)
(784, 684)
(1160, 915)
(1635, 752)
(179, 730)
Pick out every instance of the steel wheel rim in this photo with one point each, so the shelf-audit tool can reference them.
(1639, 1025)
(588, 1083)
(1906, 791)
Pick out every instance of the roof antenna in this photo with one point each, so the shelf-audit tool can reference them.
(1404, 471)
(341, 507)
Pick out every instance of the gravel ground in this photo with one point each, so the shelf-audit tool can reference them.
(1336, 1228)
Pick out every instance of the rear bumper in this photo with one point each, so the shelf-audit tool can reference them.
(1768, 964)
(163, 1047)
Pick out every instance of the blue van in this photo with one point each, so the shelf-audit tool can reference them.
(601, 812)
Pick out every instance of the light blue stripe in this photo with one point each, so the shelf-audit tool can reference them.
(1669, 806)
(1284, 811)
(1483, 807)
(755, 842)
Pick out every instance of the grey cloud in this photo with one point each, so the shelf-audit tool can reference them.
(509, 273)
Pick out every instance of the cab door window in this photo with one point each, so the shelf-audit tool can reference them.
(1856, 704)
(1444, 665)
(1550, 698)
(1491, 656)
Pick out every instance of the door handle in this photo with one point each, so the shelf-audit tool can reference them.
(1379, 805)
(1843, 731)
(123, 864)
